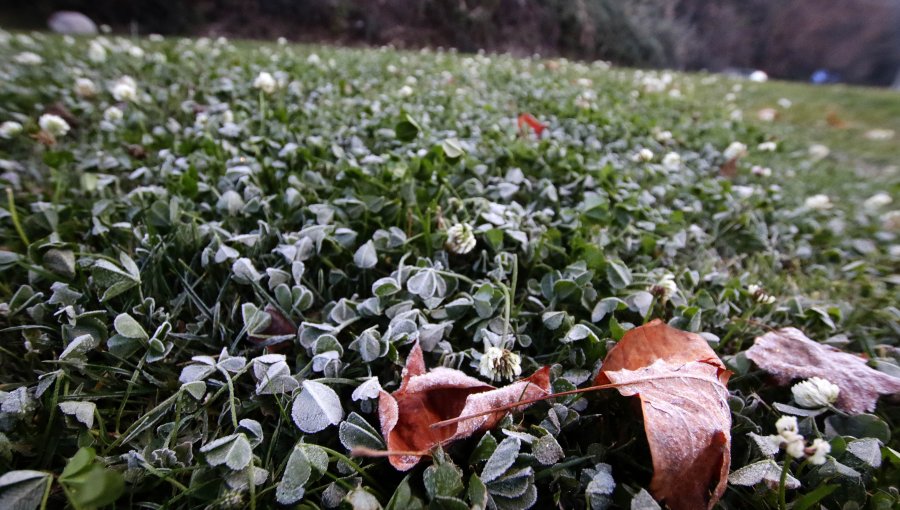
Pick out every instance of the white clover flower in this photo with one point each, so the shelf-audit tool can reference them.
(815, 392)
(767, 147)
(113, 114)
(644, 155)
(136, 51)
(10, 129)
(760, 295)
(817, 151)
(762, 171)
(85, 87)
(124, 89)
(313, 59)
(818, 202)
(796, 447)
(877, 201)
(891, 221)
(405, 91)
(735, 150)
(879, 134)
(736, 115)
(672, 161)
(265, 82)
(785, 103)
(460, 239)
(758, 76)
(28, 58)
(54, 124)
(820, 448)
(787, 424)
(96, 52)
(665, 287)
(497, 363)
(662, 136)
(767, 114)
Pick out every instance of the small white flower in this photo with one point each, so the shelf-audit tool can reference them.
(265, 82)
(672, 161)
(820, 448)
(762, 171)
(54, 124)
(758, 76)
(785, 103)
(665, 287)
(96, 52)
(124, 89)
(818, 202)
(112, 114)
(795, 447)
(891, 221)
(767, 114)
(879, 134)
(817, 151)
(85, 87)
(760, 295)
(787, 424)
(644, 155)
(767, 147)
(28, 58)
(460, 239)
(313, 59)
(405, 91)
(497, 363)
(156, 38)
(815, 392)
(136, 52)
(663, 136)
(10, 129)
(877, 201)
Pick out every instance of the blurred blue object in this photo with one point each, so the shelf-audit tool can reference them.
(823, 76)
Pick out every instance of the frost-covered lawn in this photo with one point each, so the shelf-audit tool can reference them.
(217, 258)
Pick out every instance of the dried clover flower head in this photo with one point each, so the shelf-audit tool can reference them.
(815, 392)
(498, 363)
(760, 295)
(665, 287)
(460, 238)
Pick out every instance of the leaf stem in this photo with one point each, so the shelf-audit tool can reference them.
(14, 216)
(782, 483)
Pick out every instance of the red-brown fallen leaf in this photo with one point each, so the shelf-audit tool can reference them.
(681, 384)
(643, 345)
(427, 397)
(526, 119)
(788, 354)
(279, 326)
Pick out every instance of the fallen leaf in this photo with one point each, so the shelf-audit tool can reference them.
(681, 384)
(788, 354)
(526, 119)
(643, 345)
(279, 328)
(427, 397)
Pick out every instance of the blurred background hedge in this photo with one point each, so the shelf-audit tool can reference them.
(857, 39)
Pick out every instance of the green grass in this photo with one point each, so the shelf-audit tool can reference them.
(314, 220)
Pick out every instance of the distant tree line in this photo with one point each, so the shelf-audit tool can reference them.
(857, 39)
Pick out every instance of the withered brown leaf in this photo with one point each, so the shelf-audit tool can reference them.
(681, 384)
(788, 354)
(427, 397)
